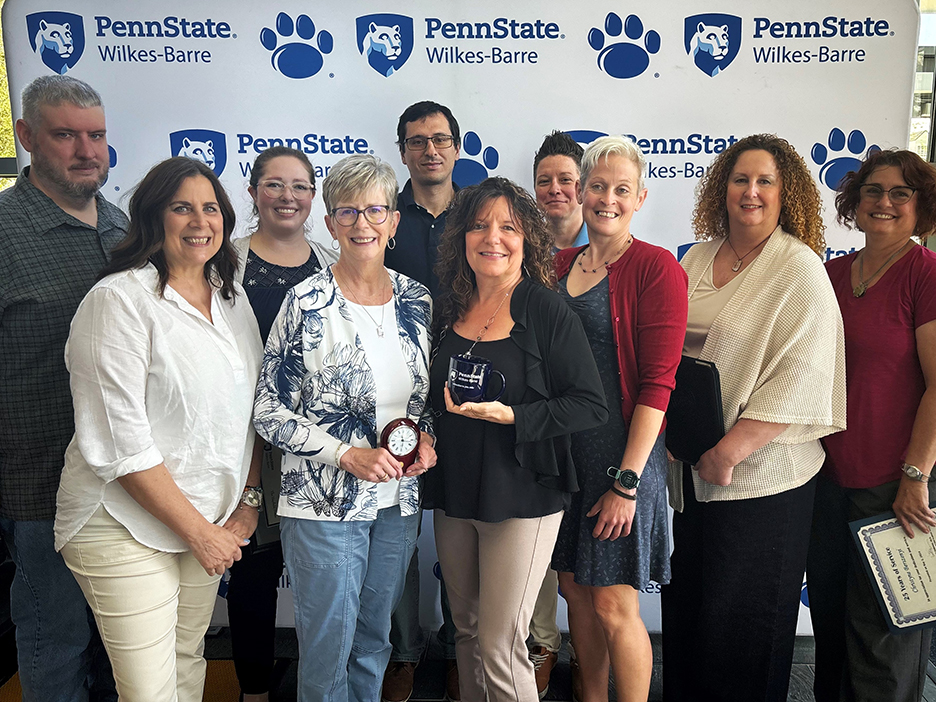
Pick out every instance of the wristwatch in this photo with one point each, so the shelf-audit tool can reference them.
(627, 479)
(252, 497)
(915, 473)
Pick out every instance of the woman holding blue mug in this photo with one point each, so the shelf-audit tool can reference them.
(505, 468)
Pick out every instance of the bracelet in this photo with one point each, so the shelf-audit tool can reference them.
(614, 489)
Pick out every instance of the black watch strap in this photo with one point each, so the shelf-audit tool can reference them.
(623, 494)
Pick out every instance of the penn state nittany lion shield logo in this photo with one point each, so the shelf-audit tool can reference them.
(57, 38)
(713, 41)
(385, 40)
(203, 145)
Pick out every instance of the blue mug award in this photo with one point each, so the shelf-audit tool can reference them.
(468, 379)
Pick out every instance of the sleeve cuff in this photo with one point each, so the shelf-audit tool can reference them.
(146, 459)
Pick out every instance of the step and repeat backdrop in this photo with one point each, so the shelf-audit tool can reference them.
(221, 82)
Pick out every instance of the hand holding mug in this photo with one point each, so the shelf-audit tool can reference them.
(496, 412)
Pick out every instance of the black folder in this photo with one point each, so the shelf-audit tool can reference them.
(694, 419)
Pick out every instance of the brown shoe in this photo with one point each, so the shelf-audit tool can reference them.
(544, 661)
(398, 682)
(452, 692)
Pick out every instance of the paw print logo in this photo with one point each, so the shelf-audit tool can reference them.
(296, 59)
(469, 172)
(833, 170)
(624, 59)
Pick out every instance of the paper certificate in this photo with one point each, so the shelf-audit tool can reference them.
(903, 570)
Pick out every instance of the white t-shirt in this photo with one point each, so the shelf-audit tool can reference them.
(392, 379)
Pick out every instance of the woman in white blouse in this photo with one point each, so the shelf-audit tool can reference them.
(348, 355)
(164, 354)
(762, 309)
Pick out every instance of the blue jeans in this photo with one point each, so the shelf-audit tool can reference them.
(346, 579)
(60, 655)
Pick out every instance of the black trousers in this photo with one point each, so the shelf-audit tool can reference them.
(857, 658)
(730, 610)
(251, 601)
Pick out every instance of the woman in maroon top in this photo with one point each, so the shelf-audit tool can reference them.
(631, 297)
(884, 459)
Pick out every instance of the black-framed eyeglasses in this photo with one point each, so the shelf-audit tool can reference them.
(275, 189)
(348, 216)
(898, 196)
(419, 143)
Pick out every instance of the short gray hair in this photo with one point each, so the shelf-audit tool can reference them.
(606, 146)
(357, 174)
(53, 91)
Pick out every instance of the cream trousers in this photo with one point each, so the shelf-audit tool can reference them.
(493, 573)
(152, 609)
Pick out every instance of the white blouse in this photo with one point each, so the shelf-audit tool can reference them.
(153, 381)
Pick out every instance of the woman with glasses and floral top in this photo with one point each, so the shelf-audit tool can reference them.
(345, 367)
(884, 460)
(277, 256)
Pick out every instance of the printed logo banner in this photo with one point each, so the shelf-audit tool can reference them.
(221, 82)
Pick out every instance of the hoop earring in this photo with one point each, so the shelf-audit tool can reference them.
(526, 271)
(335, 245)
(391, 243)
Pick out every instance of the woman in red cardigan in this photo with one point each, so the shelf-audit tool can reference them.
(631, 297)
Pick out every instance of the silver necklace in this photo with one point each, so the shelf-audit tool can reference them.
(488, 323)
(862, 287)
(383, 310)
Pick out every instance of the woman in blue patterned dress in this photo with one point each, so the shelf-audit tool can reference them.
(347, 354)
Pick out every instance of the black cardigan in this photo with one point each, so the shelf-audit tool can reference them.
(564, 392)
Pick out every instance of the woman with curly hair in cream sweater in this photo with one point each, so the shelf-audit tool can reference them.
(762, 309)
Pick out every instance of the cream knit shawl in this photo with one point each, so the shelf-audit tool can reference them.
(779, 347)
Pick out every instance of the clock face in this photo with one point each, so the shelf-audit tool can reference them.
(402, 440)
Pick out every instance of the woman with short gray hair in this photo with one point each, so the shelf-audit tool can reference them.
(631, 298)
(342, 392)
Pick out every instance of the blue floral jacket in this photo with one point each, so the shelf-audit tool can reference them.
(317, 390)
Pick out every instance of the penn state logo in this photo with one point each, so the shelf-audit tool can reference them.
(385, 40)
(203, 145)
(713, 41)
(584, 137)
(57, 38)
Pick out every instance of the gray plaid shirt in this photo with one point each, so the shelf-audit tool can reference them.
(48, 262)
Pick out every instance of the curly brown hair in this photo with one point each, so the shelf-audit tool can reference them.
(456, 279)
(800, 202)
(916, 172)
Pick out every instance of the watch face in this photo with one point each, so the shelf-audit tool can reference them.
(402, 440)
(251, 498)
(628, 479)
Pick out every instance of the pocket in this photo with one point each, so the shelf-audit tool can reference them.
(316, 544)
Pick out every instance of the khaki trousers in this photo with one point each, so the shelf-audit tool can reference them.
(543, 628)
(493, 573)
(152, 609)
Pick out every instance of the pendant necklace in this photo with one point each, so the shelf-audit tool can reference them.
(383, 310)
(606, 263)
(488, 323)
(862, 287)
(736, 266)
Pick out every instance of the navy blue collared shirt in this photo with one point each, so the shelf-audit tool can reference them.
(417, 239)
